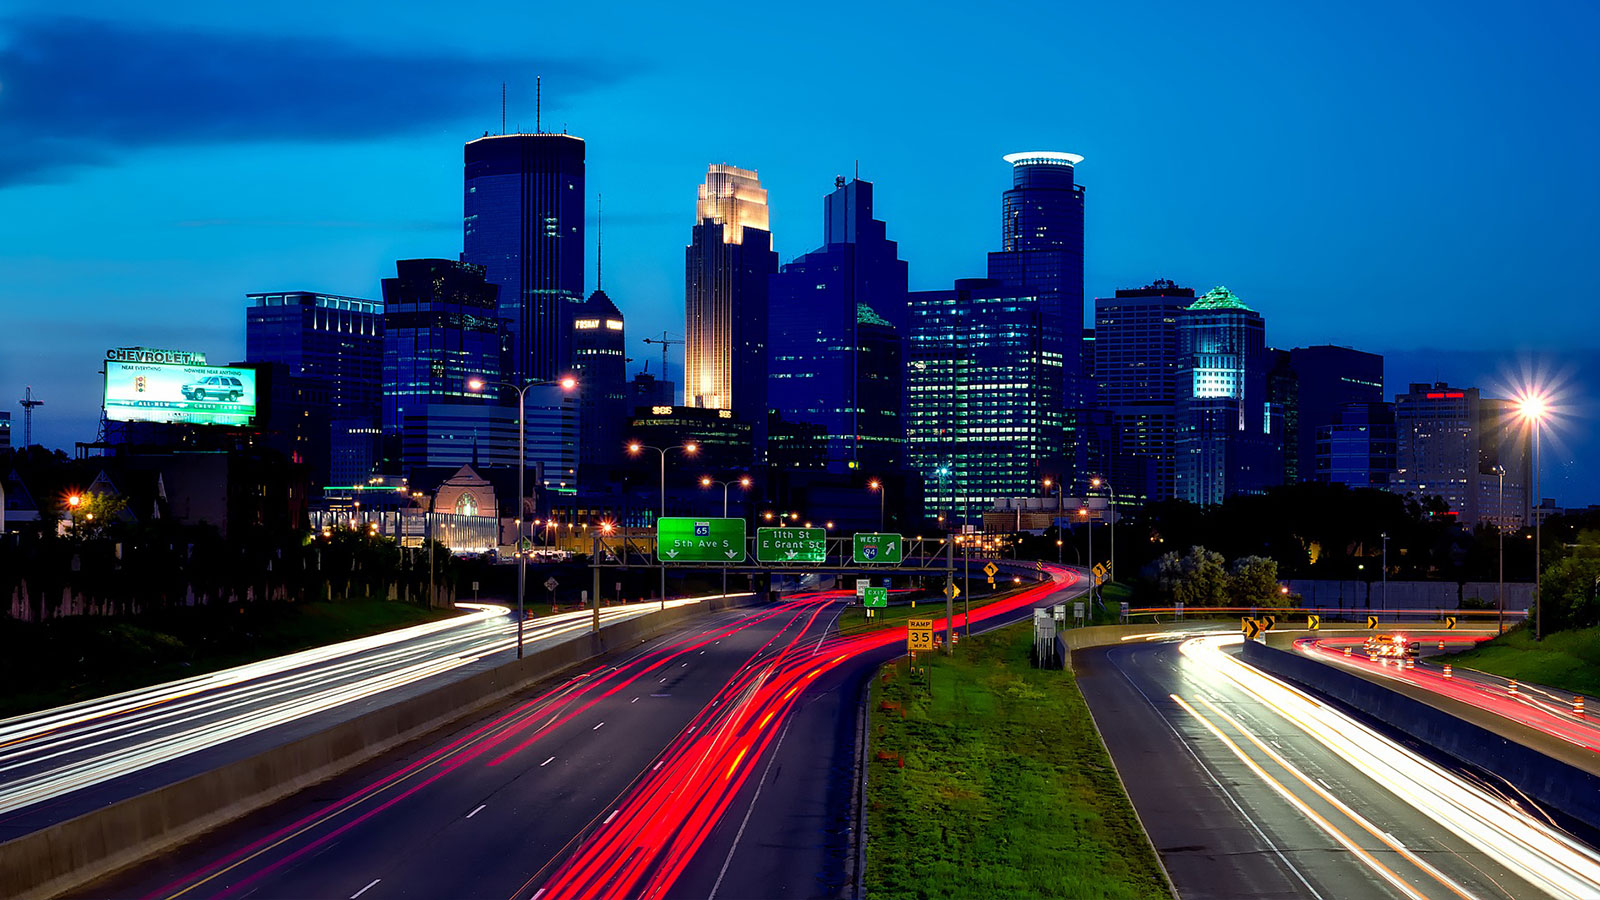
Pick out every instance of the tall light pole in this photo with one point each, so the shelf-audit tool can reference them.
(877, 485)
(635, 448)
(1111, 517)
(1533, 408)
(1500, 529)
(478, 384)
(708, 481)
(1047, 485)
(1385, 537)
(1083, 512)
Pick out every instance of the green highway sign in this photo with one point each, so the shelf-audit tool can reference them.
(694, 539)
(873, 547)
(875, 597)
(791, 545)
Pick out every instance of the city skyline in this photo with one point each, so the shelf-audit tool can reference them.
(1147, 218)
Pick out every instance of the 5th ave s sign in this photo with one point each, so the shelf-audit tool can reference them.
(693, 539)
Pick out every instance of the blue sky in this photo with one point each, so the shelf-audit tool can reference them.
(1413, 179)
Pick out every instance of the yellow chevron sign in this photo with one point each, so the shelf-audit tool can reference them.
(1313, 623)
(1450, 622)
(1250, 627)
(1372, 622)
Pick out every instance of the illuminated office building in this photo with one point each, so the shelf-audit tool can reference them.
(523, 223)
(727, 264)
(1449, 443)
(324, 356)
(1136, 372)
(983, 395)
(1226, 443)
(1041, 254)
(834, 351)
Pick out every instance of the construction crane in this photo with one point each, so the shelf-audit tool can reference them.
(28, 404)
(666, 343)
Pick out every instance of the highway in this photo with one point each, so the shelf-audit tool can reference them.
(1250, 788)
(1536, 706)
(59, 763)
(716, 760)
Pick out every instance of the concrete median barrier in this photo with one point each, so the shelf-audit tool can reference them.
(1545, 779)
(70, 854)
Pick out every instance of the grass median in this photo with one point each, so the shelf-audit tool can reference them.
(988, 779)
(1567, 660)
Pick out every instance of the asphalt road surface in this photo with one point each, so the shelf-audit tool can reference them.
(716, 761)
(62, 762)
(1250, 789)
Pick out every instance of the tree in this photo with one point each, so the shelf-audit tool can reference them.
(1571, 586)
(1253, 581)
(92, 514)
(1195, 579)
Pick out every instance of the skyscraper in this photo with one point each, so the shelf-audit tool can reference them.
(727, 264)
(983, 395)
(1136, 371)
(1449, 443)
(326, 359)
(599, 360)
(1225, 443)
(1330, 378)
(1042, 249)
(834, 348)
(441, 331)
(1358, 447)
(523, 222)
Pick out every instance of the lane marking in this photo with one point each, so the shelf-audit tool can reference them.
(365, 889)
(597, 727)
(476, 811)
(610, 817)
(634, 700)
(547, 762)
(656, 766)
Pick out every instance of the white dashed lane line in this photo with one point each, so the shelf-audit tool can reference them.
(365, 889)
(476, 811)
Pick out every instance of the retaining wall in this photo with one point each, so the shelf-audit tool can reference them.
(1543, 778)
(70, 854)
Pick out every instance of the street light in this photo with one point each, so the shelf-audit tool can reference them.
(1048, 484)
(690, 449)
(1111, 517)
(1534, 407)
(477, 384)
(708, 481)
(877, 485)
(1500, 528)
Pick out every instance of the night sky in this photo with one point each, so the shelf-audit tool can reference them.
(1412, 179)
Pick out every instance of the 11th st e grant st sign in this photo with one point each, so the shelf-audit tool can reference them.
(791, 545)
(696, 539)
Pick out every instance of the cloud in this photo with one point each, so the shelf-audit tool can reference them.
(77, 93)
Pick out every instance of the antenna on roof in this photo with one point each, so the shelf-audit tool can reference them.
(502, 107)
(538, 104)
(599, 239)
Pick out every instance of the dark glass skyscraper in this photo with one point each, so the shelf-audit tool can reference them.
(441, 331)
(599, 360)
(1330, 378)
(726, 267)
(1136, 370)
(326, 353)
(983, 395)
(1042, 250)
(833, 345)
(523, 222)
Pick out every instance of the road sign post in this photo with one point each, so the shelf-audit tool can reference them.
(877, 547)
(791, 545)
(693, 539)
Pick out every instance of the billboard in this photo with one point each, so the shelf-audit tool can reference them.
(168, 392)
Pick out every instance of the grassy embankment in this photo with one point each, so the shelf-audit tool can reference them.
(1568, 660)
(78, 658)
(1006, 789)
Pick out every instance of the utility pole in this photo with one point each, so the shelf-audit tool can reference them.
(1385, 536)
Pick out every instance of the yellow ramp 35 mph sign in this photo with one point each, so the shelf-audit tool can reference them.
(919, 634)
